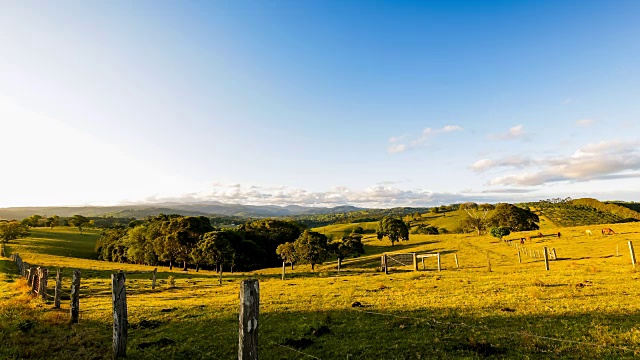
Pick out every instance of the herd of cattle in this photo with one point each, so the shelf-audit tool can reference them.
(605, 231)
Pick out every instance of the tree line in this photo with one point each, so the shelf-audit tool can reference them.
(193, 242)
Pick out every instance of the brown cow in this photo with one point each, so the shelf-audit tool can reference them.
(540, 234)
(522, 240)
(558, 233)
(608, 231)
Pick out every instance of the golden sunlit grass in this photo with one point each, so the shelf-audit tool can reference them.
(589, 296)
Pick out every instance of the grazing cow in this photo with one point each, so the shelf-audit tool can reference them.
(540, 234)
(588, 232)
(522, 240)
(558, 233)
(608, 231)
(528, 238)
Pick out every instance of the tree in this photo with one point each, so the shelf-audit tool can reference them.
(499, 232)
(347, 246)
(475, 221)
(392, 228)
(53, 221)
(182, 235)
(514, 218)
(32, 221)
(311, 248)
(11, 230)
(216, 249)
(78, 221)
(287, 253)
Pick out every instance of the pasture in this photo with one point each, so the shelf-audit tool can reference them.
(584, 307)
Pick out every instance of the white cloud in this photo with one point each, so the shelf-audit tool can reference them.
(596, 161)
(584, 122)
(392, 149)
(513, 133)
(567, 101)
(427, 133)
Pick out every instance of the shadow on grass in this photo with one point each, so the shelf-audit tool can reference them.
(365, 332)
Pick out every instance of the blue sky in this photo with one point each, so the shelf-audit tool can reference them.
(317, 102)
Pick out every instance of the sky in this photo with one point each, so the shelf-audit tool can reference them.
(318, 103)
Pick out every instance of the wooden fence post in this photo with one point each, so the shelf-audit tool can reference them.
(220, 278)
(56, 295)
(519, 258)
(248, 320)
(633, 253)
(120, 323)
(44, 279)
(35, 281)
(339, 264)
(546, 258)
(75, 299)
(415, 262)
(488, 262)
(439, 264)
(153, 281)
(617, 250)
(283, 269)
(456, 257)
(2, 253)
(386, 267)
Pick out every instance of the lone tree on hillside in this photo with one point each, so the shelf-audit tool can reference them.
(499, 232)
(475, 221)
(11, 230)
(347, 246)
(392, 228)
(514, 218)
(311, 248)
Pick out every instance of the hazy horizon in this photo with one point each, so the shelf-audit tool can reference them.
(318, 103)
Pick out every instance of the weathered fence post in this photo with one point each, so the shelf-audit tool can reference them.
(633, 253)
(546, 258)
(456, 257)
(153, 280)
(439, 264)
(415, 262)
(2, 253)
(488, 262)
(44, 279)
(75, 299)
(35, 281)
(28, 276)
(120, 323)
(519, 258)
(386, 266)
(284, 265)
(220, 278)
(339, 264)
(617, 250)
(248, 319)
(56, 295)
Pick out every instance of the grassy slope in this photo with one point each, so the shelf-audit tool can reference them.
(504, 307)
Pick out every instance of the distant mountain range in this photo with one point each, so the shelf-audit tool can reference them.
(207, 208)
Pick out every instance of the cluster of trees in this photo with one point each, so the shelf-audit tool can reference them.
(171, 239)
(504, 215)
(11, 230)
(314, 248)
(188, 240)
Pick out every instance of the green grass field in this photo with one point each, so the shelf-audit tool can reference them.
(585, 307)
